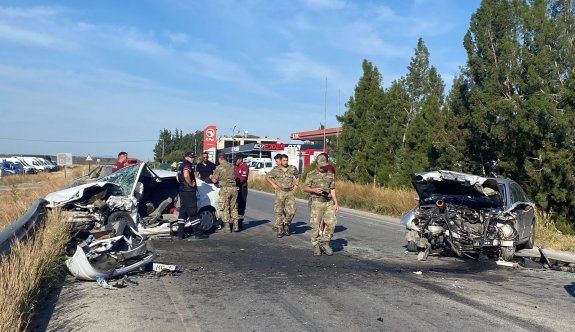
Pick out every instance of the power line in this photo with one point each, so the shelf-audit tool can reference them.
(81, 142)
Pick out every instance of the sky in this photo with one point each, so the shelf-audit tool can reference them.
(99, 77)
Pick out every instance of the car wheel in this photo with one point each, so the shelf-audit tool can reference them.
(507, 253)
(207, 219)
(531, 242)
(411, 246)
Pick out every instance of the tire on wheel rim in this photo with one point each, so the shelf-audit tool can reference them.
(207, 219)
(531, 242)
(507, 253)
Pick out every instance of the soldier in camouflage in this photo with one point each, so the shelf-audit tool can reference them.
(228, 202)
(284, 179)
(321, 186)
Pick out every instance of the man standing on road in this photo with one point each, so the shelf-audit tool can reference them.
(188, 198)
(284, 179)
(321, 186)
(228, 203)
(242, 172)
(205, 168)
(122, 158)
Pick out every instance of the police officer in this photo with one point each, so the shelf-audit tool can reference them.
(228, 203)
(321, 186)
(284, 179)
(188, 199)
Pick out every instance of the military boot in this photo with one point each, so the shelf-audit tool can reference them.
(226, 227)
(316, 250)
(326, 248)
(280, 232)
(286, 230)
(236, 226)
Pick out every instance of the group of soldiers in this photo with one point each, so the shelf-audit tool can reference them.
(320, 184)
(285, 179)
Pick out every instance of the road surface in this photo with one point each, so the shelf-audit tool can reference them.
(252, 281)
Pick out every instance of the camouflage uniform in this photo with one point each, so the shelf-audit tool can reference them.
(228, 202)
(322, 207)
(284, 206)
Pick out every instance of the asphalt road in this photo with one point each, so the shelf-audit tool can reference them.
(251, 281)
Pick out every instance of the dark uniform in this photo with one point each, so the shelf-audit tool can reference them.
(188, 198)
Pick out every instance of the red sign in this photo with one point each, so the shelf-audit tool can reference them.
(210, 138)
(270, 147)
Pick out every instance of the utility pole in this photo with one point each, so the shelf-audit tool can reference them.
(325, 117)
(233, 142)
(163, 149)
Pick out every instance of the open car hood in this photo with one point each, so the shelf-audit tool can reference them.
(442, 183)
(59, 198)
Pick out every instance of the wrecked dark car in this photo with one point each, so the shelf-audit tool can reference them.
(468, 215)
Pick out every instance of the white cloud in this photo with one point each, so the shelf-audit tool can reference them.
(325, 4)
(362, 38)
(178, 37)
(33, 12)
(217, 68)
(28, 37)
(295, 67)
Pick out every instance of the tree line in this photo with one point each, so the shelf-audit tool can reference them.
(509, 112)
(172, 146)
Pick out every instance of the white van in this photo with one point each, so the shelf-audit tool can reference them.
(27, 168)
(31, 161)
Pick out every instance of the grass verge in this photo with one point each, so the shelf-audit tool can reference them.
(396, 203)
(34, 261)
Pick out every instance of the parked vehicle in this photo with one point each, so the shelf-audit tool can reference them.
(132, 161)
(49, 166)
(138, 195)
(27, 168)
(31, 161)
(260, 165)
(468, 214)
(11, 167)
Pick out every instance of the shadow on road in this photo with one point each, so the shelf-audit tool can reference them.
(254, 223)
(570, 289)
(299, 227)
(338, 244)
(339, 228)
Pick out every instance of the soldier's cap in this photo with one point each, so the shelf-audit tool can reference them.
(321, 160)
(190, 154)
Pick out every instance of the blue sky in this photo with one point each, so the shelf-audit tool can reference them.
(97, 77)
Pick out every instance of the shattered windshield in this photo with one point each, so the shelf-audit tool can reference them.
(125, 178)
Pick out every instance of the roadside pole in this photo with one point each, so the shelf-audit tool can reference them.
(64, 159)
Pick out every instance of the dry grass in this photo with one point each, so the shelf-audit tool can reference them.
(397, 202)
(548, 236)
(33, 261)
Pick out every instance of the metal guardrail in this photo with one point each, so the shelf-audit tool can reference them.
(21, 227)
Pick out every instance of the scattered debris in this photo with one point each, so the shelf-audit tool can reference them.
(418, 272)
(380, 319)
(456, 284)
(506, 263)
(103, 283)
(158, 267)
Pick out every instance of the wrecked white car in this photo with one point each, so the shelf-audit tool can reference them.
(468, 214)
(142, 197)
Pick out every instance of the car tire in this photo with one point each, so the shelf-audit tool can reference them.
(412, 246)
(531, 242)
(207, 219)
(507, 253)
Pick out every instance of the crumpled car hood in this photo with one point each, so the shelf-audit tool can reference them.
(59, 198)
(439, 183)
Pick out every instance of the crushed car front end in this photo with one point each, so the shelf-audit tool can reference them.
(459, 212)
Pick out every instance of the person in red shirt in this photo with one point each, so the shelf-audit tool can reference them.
(122, 158)
(241, 172)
